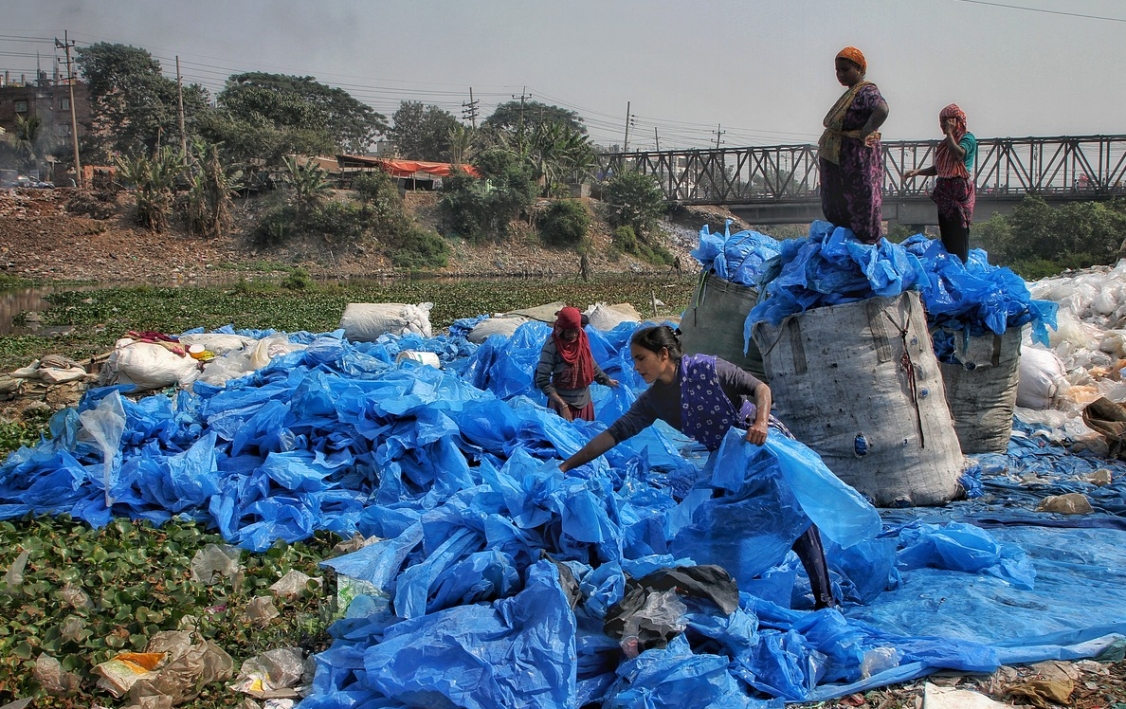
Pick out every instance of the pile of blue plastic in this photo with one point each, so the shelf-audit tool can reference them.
(494, 575)
(831, 267)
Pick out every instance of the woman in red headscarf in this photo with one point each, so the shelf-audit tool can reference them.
(566, 368)
(954, 189)
(849, 155)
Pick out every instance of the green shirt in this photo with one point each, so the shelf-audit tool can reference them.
(969, 144)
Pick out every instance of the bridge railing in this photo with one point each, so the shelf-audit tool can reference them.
(1086, 167)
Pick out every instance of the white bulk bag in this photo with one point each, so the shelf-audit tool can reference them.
(367, 322)
(151, 366)
(504, 325)
(608, 317)
(1042, 378)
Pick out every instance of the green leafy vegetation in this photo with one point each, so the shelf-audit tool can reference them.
(154, 182)
(565, 223)
(134, 104)
(86, 595)
(1039, 240)
(634, 200)
(481, 210)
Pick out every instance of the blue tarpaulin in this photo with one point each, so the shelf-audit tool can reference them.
(494, 573)
(831, 267)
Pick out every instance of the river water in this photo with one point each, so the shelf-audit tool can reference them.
(24, 300)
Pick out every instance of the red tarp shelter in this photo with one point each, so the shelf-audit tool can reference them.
(403, 168)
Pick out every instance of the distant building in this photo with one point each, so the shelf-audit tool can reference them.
(49, 99)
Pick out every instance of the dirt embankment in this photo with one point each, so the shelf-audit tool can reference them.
(41, 239)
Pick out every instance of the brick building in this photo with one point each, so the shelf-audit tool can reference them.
(49, 99)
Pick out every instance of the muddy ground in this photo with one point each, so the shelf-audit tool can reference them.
(42, 239)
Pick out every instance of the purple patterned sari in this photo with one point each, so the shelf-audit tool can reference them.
(705, 411)
(851, 191)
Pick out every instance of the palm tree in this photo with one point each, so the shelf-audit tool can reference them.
(209, 202)
(26, 138)
(463, 144)
(154, 179)
(310, 185)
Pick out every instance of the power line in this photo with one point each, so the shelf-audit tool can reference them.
(1047, 12)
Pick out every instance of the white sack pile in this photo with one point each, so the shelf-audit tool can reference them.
(1087, 353)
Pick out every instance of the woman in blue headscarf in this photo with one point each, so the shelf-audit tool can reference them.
(703, 397)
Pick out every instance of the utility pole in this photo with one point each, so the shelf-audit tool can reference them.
(520, 128)
(180, 102)
(469, 110)
(718, 134)
(625, 141)
(67, 44)
(657, 138)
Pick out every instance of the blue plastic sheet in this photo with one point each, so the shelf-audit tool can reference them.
(460, 484)
(740, 257)
(831, 267)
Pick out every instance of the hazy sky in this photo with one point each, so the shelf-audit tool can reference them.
(763, 71)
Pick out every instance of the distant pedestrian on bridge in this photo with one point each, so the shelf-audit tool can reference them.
(849, 153)
(954, 191)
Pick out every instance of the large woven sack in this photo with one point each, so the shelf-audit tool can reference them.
(503, 325)
(367, 322)
(607, 317)
(860, 385)
(713, 323)
(981, 389)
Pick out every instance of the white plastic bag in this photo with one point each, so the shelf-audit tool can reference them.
(105, 424)
(217, 342)
(1042, 378)
(151, 366)
(366, 322)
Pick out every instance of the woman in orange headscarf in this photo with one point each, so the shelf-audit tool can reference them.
(849, 153)
(567, 368)
(954, 189)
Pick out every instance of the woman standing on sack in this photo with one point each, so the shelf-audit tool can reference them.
(849, 154)
(954, 191)
(567, 368)
(703, 397)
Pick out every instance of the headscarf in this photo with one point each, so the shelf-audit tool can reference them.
(947, 163)
(855, 56)
(574, 352)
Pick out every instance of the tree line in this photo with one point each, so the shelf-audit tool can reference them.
(254, 132)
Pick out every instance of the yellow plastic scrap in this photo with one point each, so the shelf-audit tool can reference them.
(122, 671)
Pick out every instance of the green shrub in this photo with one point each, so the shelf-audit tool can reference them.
(480, 210)
(276, 226)
(565, 223)
(417, 249)
(1039, 240)
(625, 239)
(378, 191)
(337, 222)
(634, 200)
(298, 279)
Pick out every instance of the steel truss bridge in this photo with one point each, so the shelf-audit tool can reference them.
(779, 184)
